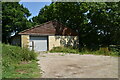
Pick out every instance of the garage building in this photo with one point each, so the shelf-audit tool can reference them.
(46, 36)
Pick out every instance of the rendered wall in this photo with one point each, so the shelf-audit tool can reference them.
(25, 41)
(55, 41)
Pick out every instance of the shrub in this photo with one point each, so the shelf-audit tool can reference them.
(102, 51)
(114, 48)
(64, 50)
(16, 54)
(12, 55)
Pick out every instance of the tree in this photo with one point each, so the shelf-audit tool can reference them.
(14, 19)
(105, 18)
(94, 22)
(70, 14)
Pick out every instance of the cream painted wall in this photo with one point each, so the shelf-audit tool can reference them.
(25, 40)
(54, 41)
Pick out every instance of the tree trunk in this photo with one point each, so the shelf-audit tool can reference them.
(80, 46)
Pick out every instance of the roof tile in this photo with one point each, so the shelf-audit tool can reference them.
(50, 28)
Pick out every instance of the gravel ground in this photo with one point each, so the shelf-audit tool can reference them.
(58, 65)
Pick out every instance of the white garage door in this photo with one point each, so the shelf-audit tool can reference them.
(38, 43)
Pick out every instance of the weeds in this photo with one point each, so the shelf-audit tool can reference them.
(76, 51)
(12, 56)
(64, 50)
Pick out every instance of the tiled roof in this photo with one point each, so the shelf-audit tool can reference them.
(50, 28)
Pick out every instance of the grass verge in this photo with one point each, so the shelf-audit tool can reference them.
(76, 51)
(19, 62)
(23, 70)
(64, 50)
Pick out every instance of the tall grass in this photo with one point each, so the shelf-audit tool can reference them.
(12, 55)
(64, 50)
(85, 51)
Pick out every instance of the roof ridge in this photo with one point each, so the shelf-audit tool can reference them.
(35, 26)
(53, 23)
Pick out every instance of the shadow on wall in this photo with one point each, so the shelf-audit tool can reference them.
(68, 41)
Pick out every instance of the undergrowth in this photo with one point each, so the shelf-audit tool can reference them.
(64, 50)
(12, 56)
(76, 51)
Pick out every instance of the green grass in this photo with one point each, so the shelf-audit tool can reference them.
(98, 52)
(12, 62)
(64, 50)
(28, 70)
(76, 51)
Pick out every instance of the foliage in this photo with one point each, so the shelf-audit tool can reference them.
(114, 48)
(104, 17)
(23, 70)
(101, 52)
(13, 56)
(64, 50)
(84, 51)
(96, 23)
(14, 19)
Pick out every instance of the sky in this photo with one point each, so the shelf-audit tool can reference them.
(34, 7)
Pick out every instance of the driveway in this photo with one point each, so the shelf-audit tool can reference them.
(58, 65)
